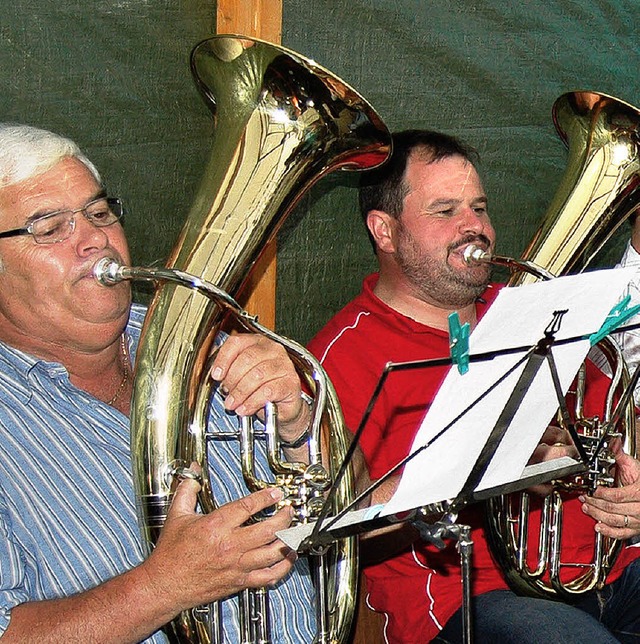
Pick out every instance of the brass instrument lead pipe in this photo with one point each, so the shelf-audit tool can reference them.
(109, 272)
(476, 254)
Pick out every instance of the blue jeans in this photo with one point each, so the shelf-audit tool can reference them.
(609, 616)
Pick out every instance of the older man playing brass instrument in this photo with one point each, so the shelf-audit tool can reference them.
(71, 563)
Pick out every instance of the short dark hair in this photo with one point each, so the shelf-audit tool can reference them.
(384, 188)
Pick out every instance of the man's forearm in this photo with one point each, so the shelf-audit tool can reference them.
(123, 610)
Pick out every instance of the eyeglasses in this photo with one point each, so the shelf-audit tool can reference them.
(58, 226)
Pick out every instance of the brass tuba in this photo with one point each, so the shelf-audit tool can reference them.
(281, 123)
(600, 189)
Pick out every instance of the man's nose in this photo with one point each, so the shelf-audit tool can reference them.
(471, 221)
(89, 236)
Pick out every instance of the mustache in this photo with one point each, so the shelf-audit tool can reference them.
(471, 239)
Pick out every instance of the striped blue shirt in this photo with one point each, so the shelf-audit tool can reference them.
(67, 504)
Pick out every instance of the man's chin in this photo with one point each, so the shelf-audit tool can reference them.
(478, 276)
(472, 287)
(106, 302)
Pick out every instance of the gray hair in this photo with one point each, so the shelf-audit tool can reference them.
(27, 151)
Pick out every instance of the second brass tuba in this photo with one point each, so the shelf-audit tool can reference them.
(600, 189)
(281, 123)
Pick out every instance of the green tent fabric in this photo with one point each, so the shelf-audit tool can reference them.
(486, 71)
(114, 75)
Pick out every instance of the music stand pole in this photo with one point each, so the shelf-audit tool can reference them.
(436, 533)
(465, 547)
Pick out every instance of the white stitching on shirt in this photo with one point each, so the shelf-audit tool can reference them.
(427, 588)
(347, 328)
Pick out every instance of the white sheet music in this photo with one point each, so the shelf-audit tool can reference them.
(518, 318)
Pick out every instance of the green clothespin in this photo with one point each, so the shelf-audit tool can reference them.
(459, 342)
(617, 316)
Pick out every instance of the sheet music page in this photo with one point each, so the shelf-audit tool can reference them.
(517, 318)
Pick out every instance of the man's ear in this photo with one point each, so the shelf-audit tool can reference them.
(382, 227)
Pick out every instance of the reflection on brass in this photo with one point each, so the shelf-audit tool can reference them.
(600, 187)
(281, 123)
(599, 190)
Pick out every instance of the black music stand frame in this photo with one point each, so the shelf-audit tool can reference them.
(447, 527)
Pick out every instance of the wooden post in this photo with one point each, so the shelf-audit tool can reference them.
(259, 19)
(263, 19)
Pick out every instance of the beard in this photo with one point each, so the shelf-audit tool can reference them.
(434, 280)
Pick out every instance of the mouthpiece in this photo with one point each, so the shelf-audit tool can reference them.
(475, 254)
(108, 272)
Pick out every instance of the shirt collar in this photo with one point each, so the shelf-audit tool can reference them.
(381, 308)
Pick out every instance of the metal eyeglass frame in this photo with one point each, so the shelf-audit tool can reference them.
(115, 207)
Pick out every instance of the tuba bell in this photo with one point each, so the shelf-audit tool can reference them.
(281, 123)
(599, 190)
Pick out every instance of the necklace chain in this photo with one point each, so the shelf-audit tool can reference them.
(125, 377)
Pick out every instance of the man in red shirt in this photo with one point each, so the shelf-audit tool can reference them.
(422, 209)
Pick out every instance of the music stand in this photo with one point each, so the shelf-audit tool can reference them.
(590, 290)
